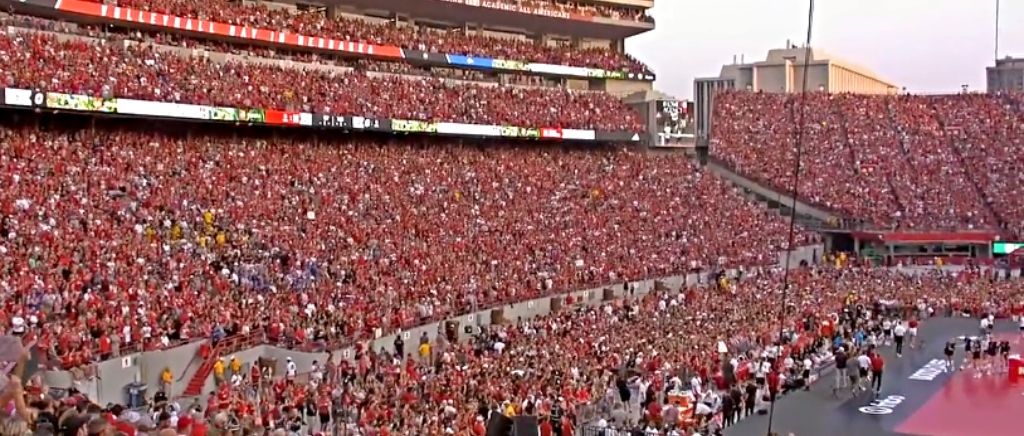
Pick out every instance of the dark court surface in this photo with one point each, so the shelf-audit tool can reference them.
(909, 387)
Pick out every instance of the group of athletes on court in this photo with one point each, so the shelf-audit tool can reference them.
(982, 354)
(860, 369)
(859, 365)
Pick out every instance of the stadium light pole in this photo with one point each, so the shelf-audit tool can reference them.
(996, 58)
(798, 118)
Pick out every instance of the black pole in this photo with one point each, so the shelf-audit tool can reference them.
(996, 57)
(800, 118)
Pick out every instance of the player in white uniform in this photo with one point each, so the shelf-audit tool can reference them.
(864, 373)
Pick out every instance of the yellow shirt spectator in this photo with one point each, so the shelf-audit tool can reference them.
(221, 238)
(236, 365)
(425, 351)
(166, 376)
(218, 368)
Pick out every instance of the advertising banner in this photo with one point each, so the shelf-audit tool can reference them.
(287, 118)
(125, 106)
(223, 114)
(617, 136)
(419, 56)
(276, 36)
(414, 126)
(56, 100)
(351, 123)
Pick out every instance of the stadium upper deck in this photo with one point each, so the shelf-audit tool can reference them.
(575, 46)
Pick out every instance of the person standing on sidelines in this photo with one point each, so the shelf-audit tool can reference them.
(877, 368)
(898, 333)
(864, 372)
(842, 376)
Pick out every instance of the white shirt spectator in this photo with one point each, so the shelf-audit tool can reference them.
(864, 362)
(900, 330)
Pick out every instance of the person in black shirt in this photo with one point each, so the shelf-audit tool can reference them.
(750, 399)
(556, 418)
(399, 347)
(974, 346)
(841, 370)
(160, 398)
(728, 411)
(737, 400)
(1004, 356)
(949, 352)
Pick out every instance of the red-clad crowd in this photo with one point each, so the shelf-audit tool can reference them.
(947, 162)
(254, 53)
(117, 236)
(350, 28)
(136, 71)
(567, 363)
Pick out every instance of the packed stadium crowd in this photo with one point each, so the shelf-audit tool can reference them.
(663, 340)
(165, 41)
(914, 162)
(122, 236)
(348, 28)
(140, 71)
(365, 232)
(592, 362)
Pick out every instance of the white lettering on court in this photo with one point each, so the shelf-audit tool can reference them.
(883, 406)
(929, 371)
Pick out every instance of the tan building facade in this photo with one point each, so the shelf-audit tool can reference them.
(783, 70)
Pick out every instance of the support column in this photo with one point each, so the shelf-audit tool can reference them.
(332, 12)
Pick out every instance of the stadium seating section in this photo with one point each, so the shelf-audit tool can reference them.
(359, 30)
(151, 233)
(949, 162)
(130, 70)
(423, 230)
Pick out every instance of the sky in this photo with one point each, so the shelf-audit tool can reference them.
(927, 46)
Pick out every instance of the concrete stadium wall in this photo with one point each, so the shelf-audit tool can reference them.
(112, 376)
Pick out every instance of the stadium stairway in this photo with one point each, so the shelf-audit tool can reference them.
(195, 384)
(953, 136)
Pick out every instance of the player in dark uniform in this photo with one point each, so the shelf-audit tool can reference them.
(1004, 356)
(949, 352)
(974, 344)
(991, 351)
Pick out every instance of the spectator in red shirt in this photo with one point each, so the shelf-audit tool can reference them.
(546, 428)
(877, 367)
(773, 384)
